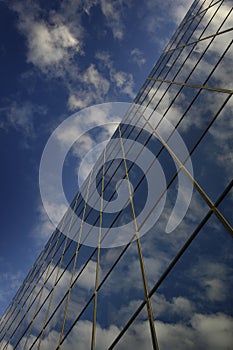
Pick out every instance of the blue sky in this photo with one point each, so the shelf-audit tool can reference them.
(57, 58)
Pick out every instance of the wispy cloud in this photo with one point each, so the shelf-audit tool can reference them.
(204, 332)
(123, 81)
(20, 116)
(55, 41)
(214, 279)
(95, 88)
(10, 281)
(52, 39)
(114, 12)
(137, 57)
(44, 227)
(155, 25)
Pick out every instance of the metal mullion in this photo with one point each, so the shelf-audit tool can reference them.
(24, 302)
(92, 298)
(40, 293)
(136, 231)
(193, 147)
(153, 71)
(41, 267)
(93, 336)
(174, 50)
(214, 2)
(172, 264)
(226, 19)
(75, 282)
(188, 16)
(111, 152)
(15, 304)
(65, 295)
(190, 153)
(171, 68)
(198, 13)
(139, 133)
(199, 140)
(46, 279)
(191, 28)
(102, 282)
(57, 275)
(196, 96)
(187, 80)
(59, 304)
(206, 25)
(56, 252)
(99, 287)
(222, 1)
(63, 299)
(196, 86)
(55, 266)
(31, 292)
(200, 34)
(205, 38)
(74, 258)
(79, 276)
(100, 180)
(203, 136)
(109, 181)
(172, 41)
(18, 295)
(195, 183)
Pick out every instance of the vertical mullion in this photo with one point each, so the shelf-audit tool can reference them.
(74, 264)
(139, 248)
(98, 257)
(189, 175)
(58, 271)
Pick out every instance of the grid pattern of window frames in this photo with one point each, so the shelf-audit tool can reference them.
(159, 290)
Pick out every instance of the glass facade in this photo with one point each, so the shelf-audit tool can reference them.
(165, 288)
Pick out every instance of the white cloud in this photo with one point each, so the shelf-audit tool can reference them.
(214, 278)
(204, 332)
(105, 58)
(215, 331)
(44, 226)
(93, 76)
(53, 41)
(10, 282)
(95, 88)
(138, 57)
(20, 116)
(124, 81)
(113, 12)
(179, 9)
(178, 306)
(156, 25)
(80, 99)
(49, 45)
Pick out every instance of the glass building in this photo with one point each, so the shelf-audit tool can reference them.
(166, 280)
